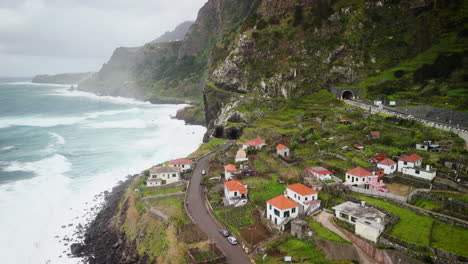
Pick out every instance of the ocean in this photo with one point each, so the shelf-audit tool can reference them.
(60, 149)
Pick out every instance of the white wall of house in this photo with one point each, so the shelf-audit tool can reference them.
(367, 231)
(388, 169)
(259, 146)
(322, 177)
(233, 197)
(168, 177)
(183, 167)
(153, 183)
(422, 147)
(303, 200)
(241, 159)
(228, 175)
(420, 173)
(406, 164)
(351, 179)
(283, 152)
(277, 216)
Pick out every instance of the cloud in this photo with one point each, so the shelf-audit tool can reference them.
(82, 31)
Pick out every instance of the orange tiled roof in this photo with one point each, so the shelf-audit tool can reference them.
(411, 158)
(254, 142)
(282, 202)
(359, 172)
(301, 189)
(180, 161)
(235, 185)
(280, 146)
(230, 167)
(387, 162)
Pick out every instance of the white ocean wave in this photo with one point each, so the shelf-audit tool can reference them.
(8, 148)
(112, 112)
(132, 123)
(92, 96)
(39, 121)
(59, 139)
(56, 164)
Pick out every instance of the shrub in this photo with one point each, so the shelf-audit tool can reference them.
(261, 24)
(399, 73)
(298, 15)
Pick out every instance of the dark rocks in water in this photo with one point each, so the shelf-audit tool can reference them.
(76, 249)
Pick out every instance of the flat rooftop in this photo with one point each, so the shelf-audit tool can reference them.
(364, 214)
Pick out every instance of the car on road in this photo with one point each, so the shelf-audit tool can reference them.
(232, 240)
(203, 172)
(224, 232)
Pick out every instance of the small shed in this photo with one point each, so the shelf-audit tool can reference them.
(298, 228)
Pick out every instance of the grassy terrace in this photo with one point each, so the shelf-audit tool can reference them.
(299, 250)
(206, 148)
(145, 192)
(235, 217)
(424, 230)
(326, 233)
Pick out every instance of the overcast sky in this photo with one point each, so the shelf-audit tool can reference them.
(56, 36)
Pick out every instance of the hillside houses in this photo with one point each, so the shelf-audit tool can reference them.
(306, 197)
(256, 143)
(229, 171)
(389, 166)
(412, 165)
(368, 222)
(282, 151)
(320, 173)
(183, 164)
(163, 175)
(235, 193)
(280, 210)
(360, 177)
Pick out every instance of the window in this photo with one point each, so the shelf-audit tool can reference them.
(183, 166)
(349, 177)
(270, 206)
(306, 198)
(295, 196)
(174, 175)
(405, 163)
(277, 213)
(417, 171)
(353, 219)
(235, 193)
(293, 210)
(286, 214)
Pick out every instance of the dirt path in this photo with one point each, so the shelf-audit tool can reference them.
(325, 219)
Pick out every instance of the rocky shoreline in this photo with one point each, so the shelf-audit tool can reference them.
(104, 242)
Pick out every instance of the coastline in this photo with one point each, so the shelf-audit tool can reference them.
(102, 242)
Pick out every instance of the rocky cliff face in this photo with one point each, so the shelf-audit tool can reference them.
(175, 35)
(63, 78)
(287, 49)
(178, 69)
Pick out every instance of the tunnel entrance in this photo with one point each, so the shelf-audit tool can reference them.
(347, 95)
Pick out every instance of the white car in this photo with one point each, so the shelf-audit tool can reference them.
(232, 240)
(203, 172)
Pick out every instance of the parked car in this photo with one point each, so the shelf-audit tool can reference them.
(232, 240)
(224, 232)
(203, 172)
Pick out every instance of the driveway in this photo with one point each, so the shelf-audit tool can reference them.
(325, 219)
(197, 209)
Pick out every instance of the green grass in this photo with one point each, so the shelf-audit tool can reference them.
(208, 147)
(426, 204)
(326, 233)
(205, 255)
(300, 250)
(161, 191)
(235, 217)
(416, 229)
(261, 190)
(456, 196)
(172, 207)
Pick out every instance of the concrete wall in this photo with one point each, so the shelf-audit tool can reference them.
(387, 195)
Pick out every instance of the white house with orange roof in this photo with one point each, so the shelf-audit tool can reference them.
(229, 171)
(389, 166)
(357, 176)
(411, 161)
(320, 173)
(241, 156)
(280, 210)
(306, 197)
(282, 150)
(256, 143)
(235, 193)
(183, 164)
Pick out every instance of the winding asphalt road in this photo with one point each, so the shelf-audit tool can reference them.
(197, 209)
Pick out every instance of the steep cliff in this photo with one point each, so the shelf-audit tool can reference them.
(177, 69)
(392, 49)
(175, 35)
